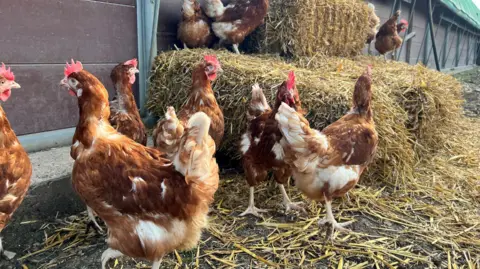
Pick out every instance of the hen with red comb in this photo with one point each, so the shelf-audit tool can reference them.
(326, 164)
(261, 148)
(201, 99)
(15, 166)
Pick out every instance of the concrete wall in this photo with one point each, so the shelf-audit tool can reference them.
(38, 36)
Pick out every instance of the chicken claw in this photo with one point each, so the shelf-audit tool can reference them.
(295, 206)
(93, 222)
(329, 219)
(253, 211)
(5, 253)
(289, 205)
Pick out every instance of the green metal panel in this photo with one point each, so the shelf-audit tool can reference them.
(465, 9)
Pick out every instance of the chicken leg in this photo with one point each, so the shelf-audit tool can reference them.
(156, 264)
(235, 48)
(330, 219)
(298, 206)
(5, 253)
(91, 216)
(109, 254)
(251, 206)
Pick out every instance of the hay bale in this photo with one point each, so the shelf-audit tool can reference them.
(325, 86)
(308, 27)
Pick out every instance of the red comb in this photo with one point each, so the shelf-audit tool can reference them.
(404, 22)
(211, 59)
(6, 73)
(133, 62)
(73, 67)
(291, 80)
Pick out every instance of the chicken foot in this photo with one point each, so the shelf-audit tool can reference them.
(5, 253)
(251, 209)
(298, 206)
(330, 219)
(109, 254)
(93, 222)
(235, 48)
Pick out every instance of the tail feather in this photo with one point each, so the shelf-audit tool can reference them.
(168, 134)
(307, 144)
(201, 122)
(196, 148)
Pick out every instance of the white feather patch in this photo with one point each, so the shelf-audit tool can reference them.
(151, 234)
(245, 143)
(278, 151)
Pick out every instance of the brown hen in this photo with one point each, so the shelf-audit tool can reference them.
(15, 166)
(260, 148)
(151, 207)
(328, 164)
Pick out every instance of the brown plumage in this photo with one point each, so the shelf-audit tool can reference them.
(150, 205)
(328, 164)
(125, 116)
(232, 23)
(260, 145)
(387, 38)
(201, 98)
(15, 166)
(194, 28)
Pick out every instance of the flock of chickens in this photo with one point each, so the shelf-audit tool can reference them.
(154, 200)
(230, 24)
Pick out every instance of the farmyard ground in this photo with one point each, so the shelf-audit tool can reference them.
(390, 231)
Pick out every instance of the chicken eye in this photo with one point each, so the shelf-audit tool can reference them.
(210, 68)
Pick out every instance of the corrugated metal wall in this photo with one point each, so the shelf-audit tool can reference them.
(38, 36)
(418, 44)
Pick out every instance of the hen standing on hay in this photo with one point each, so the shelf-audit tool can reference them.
(167, 135)
(125, 116)
(373, 23)
(150, 206)
(194, 28)
(15, 166)
(260, 144)
(387, 38)
(236, 20)
(327, 164)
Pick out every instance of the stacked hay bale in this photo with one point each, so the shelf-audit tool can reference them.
(412, 104)
(309, 27)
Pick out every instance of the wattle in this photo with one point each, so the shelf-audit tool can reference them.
(5, 95)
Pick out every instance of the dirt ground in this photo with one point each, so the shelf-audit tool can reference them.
(471, 91)
(63, 242)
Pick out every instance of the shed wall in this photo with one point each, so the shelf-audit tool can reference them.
(38, 36)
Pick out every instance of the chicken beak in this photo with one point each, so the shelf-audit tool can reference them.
(135, 70)
(15, 85)
(64, 83)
